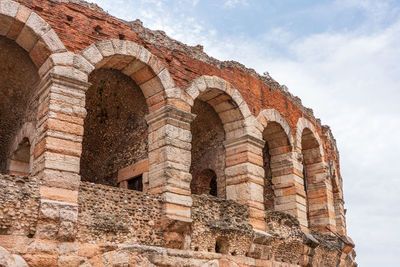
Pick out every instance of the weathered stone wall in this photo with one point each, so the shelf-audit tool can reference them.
(15, 94)
(173, 76)
(208, 150)
(285, 242)
(108, 214)
(220, 224)
(19, 205)
(115, 134)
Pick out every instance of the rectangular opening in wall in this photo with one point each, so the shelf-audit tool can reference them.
(136, 183)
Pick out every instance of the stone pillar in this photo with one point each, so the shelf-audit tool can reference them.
(320, 197)
(58, 146)
(244, 174)
(288, 185)
(340, 215)
(169, 160)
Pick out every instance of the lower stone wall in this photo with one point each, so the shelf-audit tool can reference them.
(19, 205)
(121, 227)
(117, 215)
(220, 225)
(48, 253)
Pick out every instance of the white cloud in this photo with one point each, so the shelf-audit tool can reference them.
(234, 3)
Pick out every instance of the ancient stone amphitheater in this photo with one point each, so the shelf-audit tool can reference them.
(122, 147)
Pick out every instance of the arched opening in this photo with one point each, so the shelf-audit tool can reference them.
(204, 182)
(275, 159)
(18, 79)
(208, 153)
(115, 147)
(19, 163)
(311, 156)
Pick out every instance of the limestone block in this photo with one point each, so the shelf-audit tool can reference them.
(27, 39)
(61, 162)
(169, 197)
(65, 127)
(237, 97)
(177, 210)
(55, 178)
(70, 72)
(165, 79)
(156, 64)
(238, 192)
(58, 194)
(53, 42)
(105, 47)
(82, 64)
(200, 83)
(133, 67)
(8, 11)
(174, 93)
(19, 22)
(8, 8)
(63, 58)
(224, 106)
(193, 91)
(38, 25)
(231, 115)
(119, 46)
(92, 54)
(151, 87)
(132, 49)
(144, 55)
(210, 82)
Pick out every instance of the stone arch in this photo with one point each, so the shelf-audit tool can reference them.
(21, 26)
(133, 60)
(127, 83)
(272, 115)
(243, 172)
(278, 159)
(227, 102)
(303, 124)
(317, 185)
(30, 31)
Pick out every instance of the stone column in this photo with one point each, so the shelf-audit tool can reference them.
(244, 174)
(320, 197)
(288, 185)
(58, 146)
(340, 216)
(169, 164)
(169, 160)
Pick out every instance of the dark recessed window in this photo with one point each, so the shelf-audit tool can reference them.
(136, 183)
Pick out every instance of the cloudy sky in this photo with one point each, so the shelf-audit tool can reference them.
(342, 58)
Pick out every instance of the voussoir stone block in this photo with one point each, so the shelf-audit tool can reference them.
(92, 54)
